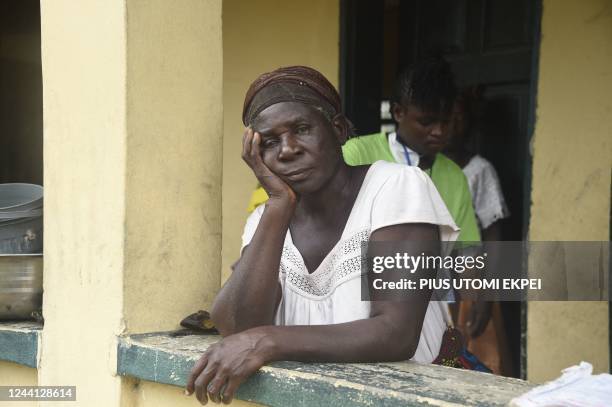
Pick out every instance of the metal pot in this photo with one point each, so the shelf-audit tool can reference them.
(21, 279)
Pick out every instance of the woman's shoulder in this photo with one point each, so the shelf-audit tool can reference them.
(386, 173)
(478, 164)
(481, 169)
(398, 194)
(384, 169)
(391, 179)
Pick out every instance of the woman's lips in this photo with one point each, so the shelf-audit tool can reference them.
(298, 175)
(436, 142)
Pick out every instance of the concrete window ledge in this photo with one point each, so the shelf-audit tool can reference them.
(19, 342)
(167, 358)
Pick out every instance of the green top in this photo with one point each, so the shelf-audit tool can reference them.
(445, 174)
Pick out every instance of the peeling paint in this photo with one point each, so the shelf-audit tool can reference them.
(20, 326)
(167, 359)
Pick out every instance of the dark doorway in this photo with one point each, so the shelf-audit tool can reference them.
(489, 43)
(21, 99)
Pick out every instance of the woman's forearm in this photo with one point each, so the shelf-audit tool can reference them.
(391, 333)
(376, 339)
(251, 294)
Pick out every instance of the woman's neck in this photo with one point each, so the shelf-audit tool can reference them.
(460, 156)
(426, 162)
(333, 198)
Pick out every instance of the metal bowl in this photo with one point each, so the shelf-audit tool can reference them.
(21, 279)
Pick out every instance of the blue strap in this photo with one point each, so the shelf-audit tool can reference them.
(406, 154)
(429, 171)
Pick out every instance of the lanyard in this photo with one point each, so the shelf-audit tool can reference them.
(428, 171)
(406, 154)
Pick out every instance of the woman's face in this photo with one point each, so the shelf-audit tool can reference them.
(459, 126)
(299, 144)
(423, 131)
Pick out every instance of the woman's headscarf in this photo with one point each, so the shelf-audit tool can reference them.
(291, 84)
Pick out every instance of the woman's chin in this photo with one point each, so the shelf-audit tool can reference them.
(305, 187)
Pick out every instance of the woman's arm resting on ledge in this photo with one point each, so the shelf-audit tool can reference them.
(390, 334)
(251, 294)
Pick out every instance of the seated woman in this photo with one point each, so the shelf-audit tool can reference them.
(295, 292)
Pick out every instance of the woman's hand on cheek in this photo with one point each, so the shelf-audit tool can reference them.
(226, 364)
(275, 187)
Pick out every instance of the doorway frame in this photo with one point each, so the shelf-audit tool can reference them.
(346, 75)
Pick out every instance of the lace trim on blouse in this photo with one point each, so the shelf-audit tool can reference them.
(341, 264)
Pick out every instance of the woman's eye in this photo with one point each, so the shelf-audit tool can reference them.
(303, 129)
(268, 142)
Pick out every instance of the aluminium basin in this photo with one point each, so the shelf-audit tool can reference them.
(21, 278)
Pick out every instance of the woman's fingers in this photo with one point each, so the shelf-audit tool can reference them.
(201, 395)
(224, 366)
(255, 151)
(255, 160)
(251, 152)
(230, 389)
(202, 382)
(195, 372)
(246, 143)
(215, 386)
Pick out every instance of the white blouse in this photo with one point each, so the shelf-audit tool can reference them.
(487, 196)
(391, 194)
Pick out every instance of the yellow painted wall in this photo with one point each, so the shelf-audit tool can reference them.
(12, 374)
(133, 129)
(173, 174)
(84, 173)
(148, 394)
(259, 36)
(572, 159)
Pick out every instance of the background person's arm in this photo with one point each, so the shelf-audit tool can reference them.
(480, 312)
(491, 210)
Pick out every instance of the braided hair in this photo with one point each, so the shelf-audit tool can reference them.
(428, 84)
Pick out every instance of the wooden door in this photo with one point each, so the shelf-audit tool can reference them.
(491, 43)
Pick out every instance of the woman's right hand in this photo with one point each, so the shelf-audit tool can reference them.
(276, 188)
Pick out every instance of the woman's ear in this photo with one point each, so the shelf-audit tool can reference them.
(341, 128)
(397, 111)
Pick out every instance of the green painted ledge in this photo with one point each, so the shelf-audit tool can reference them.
(19, 342)
(167, 358)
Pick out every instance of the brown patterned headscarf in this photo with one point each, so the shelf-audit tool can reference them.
(291, 84)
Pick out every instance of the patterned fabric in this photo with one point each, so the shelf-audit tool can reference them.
(453, 353)
(487, 196)
(343, 262)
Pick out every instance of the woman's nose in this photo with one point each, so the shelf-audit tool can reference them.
(289, 148)
(437, 129)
